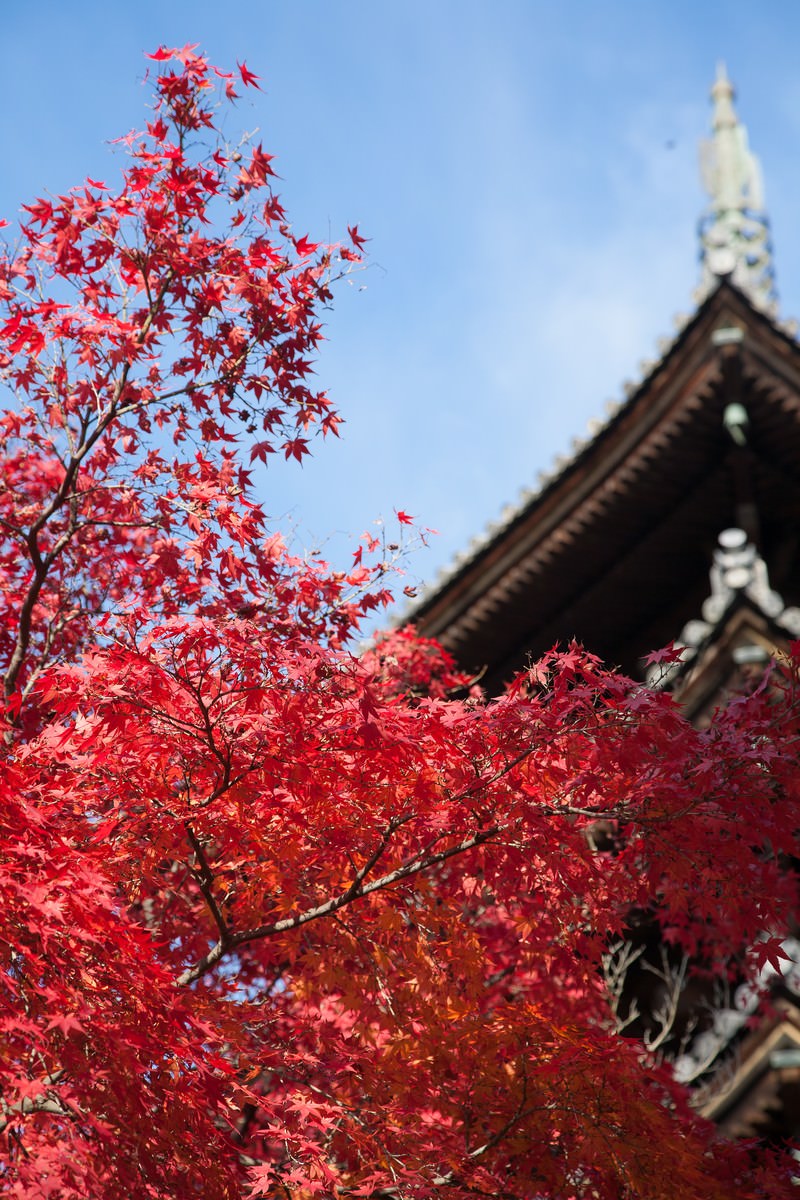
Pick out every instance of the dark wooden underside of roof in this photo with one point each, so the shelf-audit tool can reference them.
(617, 552)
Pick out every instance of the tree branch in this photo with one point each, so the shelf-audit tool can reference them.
(356, 889)
(46, 1103)
(204, 879)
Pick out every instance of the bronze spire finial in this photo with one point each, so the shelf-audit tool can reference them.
(734, 230)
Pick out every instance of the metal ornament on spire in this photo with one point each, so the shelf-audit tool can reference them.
(734, 230)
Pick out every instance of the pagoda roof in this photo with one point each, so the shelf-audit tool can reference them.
(615, 548)
(756, 1091)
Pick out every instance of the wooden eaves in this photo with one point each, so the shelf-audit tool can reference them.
(615, 550)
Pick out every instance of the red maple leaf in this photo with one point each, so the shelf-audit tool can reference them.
(248, 78)
(355, 237)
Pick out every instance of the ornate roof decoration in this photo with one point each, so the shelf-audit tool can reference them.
(734, 230)
(527, 496)
(737, 570)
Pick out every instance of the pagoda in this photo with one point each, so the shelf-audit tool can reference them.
(677, 521)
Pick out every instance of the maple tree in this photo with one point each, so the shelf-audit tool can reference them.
(281, 919)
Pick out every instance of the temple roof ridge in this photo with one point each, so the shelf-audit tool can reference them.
(560, 463)
(712, 309)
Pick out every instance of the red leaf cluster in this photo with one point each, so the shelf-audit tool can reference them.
(281, 919)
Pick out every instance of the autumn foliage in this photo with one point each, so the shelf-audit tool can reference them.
(280, 919)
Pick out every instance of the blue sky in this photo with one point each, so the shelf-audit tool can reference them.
(527, 173)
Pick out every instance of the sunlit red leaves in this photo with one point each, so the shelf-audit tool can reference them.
(148, 271)
(418, 1036)
(68, 955)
